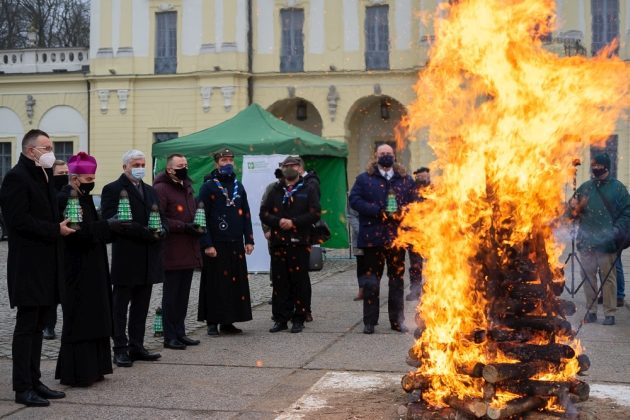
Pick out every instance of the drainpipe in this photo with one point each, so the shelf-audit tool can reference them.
(89, 99)
(250, 55)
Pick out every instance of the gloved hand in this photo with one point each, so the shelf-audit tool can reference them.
(193, 229)
(116, 225)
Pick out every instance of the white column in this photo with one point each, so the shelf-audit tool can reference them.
(191, 27)
(264, 11)
(140, 27)
(218, 24)
(95, 26)
(316, 27)
(351, 32)
(582, 17)
(241, 25)
(403, 24)
(115, 25)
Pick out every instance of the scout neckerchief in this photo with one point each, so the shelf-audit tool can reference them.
(288, 193)
(228, 201)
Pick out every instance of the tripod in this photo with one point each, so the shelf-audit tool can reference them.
(573, 256)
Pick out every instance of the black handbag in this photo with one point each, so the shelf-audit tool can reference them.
(320, 232)
(316, 259)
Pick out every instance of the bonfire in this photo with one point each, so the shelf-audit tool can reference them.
(506, 119)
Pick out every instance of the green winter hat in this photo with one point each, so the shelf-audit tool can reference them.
(602, 159)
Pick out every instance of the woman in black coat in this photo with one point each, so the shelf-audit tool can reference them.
(85, 356)
(224, 289)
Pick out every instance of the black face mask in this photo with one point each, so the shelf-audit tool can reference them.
(86, 187)
(181, 173)
(599, 172)
(59, 181)
(422, 183)
(386, 161)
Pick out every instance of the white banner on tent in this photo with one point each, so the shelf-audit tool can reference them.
(257, 174)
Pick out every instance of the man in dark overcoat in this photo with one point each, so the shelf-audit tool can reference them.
(378, 195)
(136, 260)
(290, 209)
(181, 248)
(35, 263)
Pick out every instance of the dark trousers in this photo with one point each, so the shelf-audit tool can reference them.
(175, 294)
(289, 265)
(50, 320)
(370, 273)
(415, 273)
(27, 346)
(136, 299)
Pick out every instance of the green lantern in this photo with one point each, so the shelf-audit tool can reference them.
(391, 206)
(200, 217)
(158, 330)
(155, 222)
(124, 208)
(73, 211)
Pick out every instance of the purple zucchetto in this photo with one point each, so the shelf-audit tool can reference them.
(82, 164)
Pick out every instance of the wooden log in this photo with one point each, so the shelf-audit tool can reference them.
(566, 307)
(584, 362)
(489, 391)
(520, 291)
(469, 406)
(472, 369)
(505, 306)
(419, 321)
(516, 406)
(413, 380)
(579, 388)
(532, 352)
(510, 335)
(412, 354)
(412, 362)
(417, 333)
(534, 388)
(498, 372)
(538, 323)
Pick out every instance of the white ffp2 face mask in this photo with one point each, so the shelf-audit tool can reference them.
(47, 160)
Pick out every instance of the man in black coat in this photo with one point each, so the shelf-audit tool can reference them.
(136, 260)
(35, 263)
(290, 209)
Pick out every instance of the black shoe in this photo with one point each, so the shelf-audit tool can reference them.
(49, 333)
(270, 302)
(174, 344)
(368, 329)
(122, 360)
(44, 392)
(144, 355)
(189, 341)
(297, 327)
(213, 330)
(230, 329)
(399, 327)
(600, 299)
(609, 320)
(30, 399)
(279, 326)
(620, 302)
(412, 296)
(590, 318)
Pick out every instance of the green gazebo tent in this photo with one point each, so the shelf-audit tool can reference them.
(255, 131)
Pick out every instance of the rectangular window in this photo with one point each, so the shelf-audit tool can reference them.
(292, 53)
(376, 38)
(63, 149)
(166, 43)
(605, 23)
(165, 136)
(611, 148)
(5, 158)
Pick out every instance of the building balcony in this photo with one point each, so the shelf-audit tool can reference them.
(45, 60)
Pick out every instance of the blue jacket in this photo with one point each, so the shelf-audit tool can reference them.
(369, 198)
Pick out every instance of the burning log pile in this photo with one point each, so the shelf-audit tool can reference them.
(524, 344)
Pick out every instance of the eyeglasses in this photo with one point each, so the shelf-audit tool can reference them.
(46, 148)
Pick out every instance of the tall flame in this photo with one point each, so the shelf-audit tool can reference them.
(505, 119)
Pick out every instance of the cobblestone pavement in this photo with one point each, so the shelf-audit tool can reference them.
(259, 287)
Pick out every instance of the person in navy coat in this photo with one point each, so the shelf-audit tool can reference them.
(378, 195)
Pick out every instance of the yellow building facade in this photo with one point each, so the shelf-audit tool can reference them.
(155, 69)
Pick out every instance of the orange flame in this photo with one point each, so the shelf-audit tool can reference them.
(505, 118)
